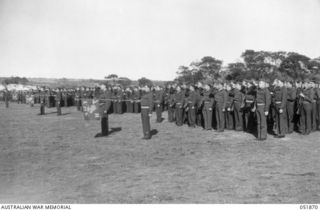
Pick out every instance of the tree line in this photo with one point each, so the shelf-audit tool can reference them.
(254, 65)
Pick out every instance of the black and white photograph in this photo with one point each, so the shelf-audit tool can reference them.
(159, 102)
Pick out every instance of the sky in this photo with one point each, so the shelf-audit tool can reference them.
(146, 38)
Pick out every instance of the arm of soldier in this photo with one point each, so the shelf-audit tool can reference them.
(284, 98)
(151, 104)
(308, 98)
(225, 97)
(294, 93)
(268, 102)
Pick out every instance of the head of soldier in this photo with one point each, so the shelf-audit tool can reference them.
(103, 87)
(262, 84)
(147, 89)
(178, 89)
(228, 86)
(288, 84)
(191, 88)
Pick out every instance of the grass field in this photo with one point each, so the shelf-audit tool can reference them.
(57, 159)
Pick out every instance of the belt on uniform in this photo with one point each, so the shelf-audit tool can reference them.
(278, 102)
(249, 101)
(190, 102)
(145, 107)
(178, 103)
(260, 104)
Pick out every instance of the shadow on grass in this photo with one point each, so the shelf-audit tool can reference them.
(111, 131)
(153, 132)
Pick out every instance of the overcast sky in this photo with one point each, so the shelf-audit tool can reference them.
(146, 38)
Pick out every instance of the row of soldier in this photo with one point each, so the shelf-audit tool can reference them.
(251, 106)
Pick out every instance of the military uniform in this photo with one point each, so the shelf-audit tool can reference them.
(314, 110)
(317, 94)
(6, 98)
(229, 111)
(58, 102)
(171, 106)
(146, 110)
(220, 99)
(192, 107)
(262, 101)
(238, 103)
(179, 104)
(136, 103)
(42, 102)
(291, 99)
(280, 95)
(119, 102)
(207, 102)
(306, 118)
(129, 101)
(249, 120)
(105, 104)
(159, 104)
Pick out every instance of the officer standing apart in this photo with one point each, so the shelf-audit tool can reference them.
(105, 104)
(146, 112)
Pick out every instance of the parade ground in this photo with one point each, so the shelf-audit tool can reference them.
(59, 159)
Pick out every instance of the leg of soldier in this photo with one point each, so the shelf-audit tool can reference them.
(290, 113)
(58, 108)
(170, 117)
(42, 109)
(190, 117)
(128, 107)
(318, 114)
(314, 116)
(259, 120)
(220, 118)
(303, 120)
(246, 119)
(230, 120)
(176, 111)
(193, 117)
(209, 118)
(308, 111)
(261, 123)
(114, 106)
(238, 117)
(205, 118)
(145, 123)
(104, 125)
(179, 116)
(281, 123)
(158, 112)
(199, 117)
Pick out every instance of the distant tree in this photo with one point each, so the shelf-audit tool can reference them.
(262, 63)
(207, 68)
(125, 82)
(145, 82)
(111, 76)
(185, 75)
(16, 80)
(295, 66)
(236, 71)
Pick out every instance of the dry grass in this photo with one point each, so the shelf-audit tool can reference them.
(51, 159)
